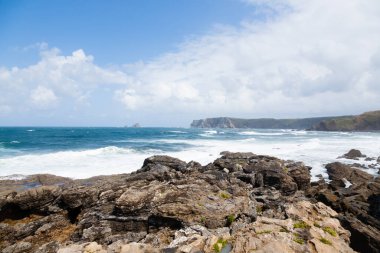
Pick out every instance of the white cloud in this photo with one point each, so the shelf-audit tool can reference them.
(314, 57)
(55, 77)
(128, 98)
(43, 97)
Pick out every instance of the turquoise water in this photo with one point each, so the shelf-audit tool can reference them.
(85, 152)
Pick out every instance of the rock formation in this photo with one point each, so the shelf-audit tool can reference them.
(358, 205)
(241, 202)
(353, 154)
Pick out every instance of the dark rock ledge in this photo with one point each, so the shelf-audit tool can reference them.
(241, 202)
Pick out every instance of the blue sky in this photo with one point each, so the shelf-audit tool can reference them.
(115, 31)
(165, 63)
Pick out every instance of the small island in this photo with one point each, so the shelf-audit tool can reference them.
(136, 125)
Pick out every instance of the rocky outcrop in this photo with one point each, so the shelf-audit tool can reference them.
(241, 202)
(355, 195)
(304, 230)
(342, 175)
(353, 154)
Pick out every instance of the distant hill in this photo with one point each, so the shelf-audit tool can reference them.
(225, 122)
(369, 121)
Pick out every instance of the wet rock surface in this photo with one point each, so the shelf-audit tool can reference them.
(355, 195)
(241, 202)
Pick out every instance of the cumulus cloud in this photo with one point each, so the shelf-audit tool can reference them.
(53, 77)
(314, 57)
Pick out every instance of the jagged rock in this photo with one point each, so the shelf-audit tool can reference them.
(79, 196)
(266, 171)
(163, 160)
(37, 199)
(364, 238)
(173, 206)
(300, 173)
(357, 204)
(338, 171)
(301, 232)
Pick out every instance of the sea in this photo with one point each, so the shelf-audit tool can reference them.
(83, 152)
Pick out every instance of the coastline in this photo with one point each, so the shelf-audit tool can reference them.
(240, 201)
(85, 152)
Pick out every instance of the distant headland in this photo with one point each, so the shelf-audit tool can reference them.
(368, 121)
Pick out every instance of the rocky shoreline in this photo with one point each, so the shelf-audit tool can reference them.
(241, 202)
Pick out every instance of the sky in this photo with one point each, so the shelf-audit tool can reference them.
(165, 63)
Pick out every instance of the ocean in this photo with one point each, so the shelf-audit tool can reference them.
(85, 152)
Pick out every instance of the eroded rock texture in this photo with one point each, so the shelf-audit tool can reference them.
(241, 202)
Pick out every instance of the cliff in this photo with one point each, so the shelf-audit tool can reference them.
(368, 121)
(265, 123)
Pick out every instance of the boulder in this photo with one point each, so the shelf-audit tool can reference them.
(163, 160)
(338, 172)
(353, 154)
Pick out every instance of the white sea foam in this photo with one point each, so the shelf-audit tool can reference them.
(206, 135)
(210, 132)
(177, 132)
(248, 133)
(30, 130)
(14, 142)
(314, 150)
(76, 164)
(298, 132)
(260, 133)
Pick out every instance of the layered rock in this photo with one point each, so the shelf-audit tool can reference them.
(241, 202)
(356, 196)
